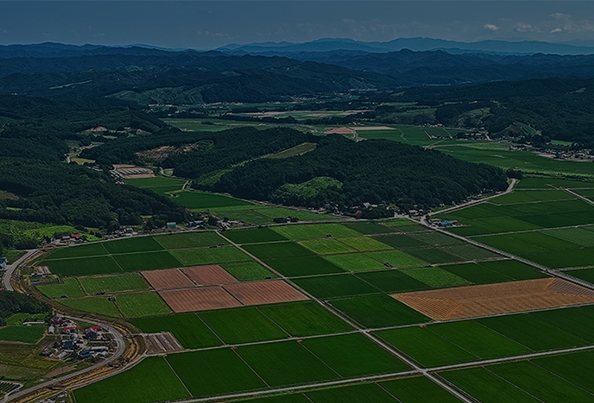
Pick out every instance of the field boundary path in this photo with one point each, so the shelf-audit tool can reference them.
(12, 267)
(509, 189)
(579, 196)
(120, 349)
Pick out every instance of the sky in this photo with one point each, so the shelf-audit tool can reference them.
(210, 24)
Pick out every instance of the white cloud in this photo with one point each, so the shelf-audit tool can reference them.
(556, 30)
(490, 27)
(525, 27)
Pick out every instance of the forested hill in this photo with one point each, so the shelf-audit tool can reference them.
(373, 171)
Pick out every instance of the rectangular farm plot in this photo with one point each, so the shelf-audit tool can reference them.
(355, 262)
(146, 261)
(396, 258)
(478, 273)
(264, 292)
(242, 325)
(208, 275)
(426, 347)
(198, 299)
(577, 321)
(433, 255)
(315, 231)
(98, 305)
(203, 256)
(327, 246)
(280, 250)
(132, 245)
(335, 286)
(301, 319)
(579, 236)
(248, 271)
(363, 393)
(167, 279)
(149, 381)
(392, 281)
(68, 287)
(214, 372)
(400, 241)
(365, 244)
(484, 300)
(354, 355)
(254, 235)
(203, 201)
(469, 252)
(141, 304)
(576, 368)
(375, 311)
(190, 240)
(94, 249)
(82, 266)
(187, 328)
(370, 228)
(304, 266)
(117, 283)
(487, 387)
(435, 277)
(285, 363)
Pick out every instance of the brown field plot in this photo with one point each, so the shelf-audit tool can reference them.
(162, 343)
(207, 275)
(167, 279)
(264, 292)
(494, 299)
(198, 299)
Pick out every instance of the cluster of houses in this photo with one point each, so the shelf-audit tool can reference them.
(3, 263)
(90, 342)
(443, 223)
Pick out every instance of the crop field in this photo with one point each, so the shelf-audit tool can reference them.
(69, 287)
(355, 262)
(365, 244)
(330, 246)
(255, 235)
(376, 311)
(201, 201)
(498, 271)
(201, 256)
(484, 300)
(22, 334)
(82, 266)
(187, 328)
(392, 281)
(151, 380)
(190, 240)
(98, 305)
(110, 284)
(435, 277)
(278, 250)
(300, 319)
(335, 286)
(242, 325)
(147, 261)
(248, 271)
(305, 266)
(140, 244)
(364, 357)
(315, 231)
(141, 304)
(548, 183)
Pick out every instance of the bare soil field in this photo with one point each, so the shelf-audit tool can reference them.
(340, 130)
(167, 279)
(264, 292)
(198, 299)
(161, 343)
(496, 299)
(209, 275)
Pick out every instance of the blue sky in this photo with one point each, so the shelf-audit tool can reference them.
(209, 24)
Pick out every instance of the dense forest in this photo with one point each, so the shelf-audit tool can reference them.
(13, 302)
(70, 194)
(374, 171)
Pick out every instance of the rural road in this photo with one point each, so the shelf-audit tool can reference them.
(120, 348)
(509, 189)
(12, 267)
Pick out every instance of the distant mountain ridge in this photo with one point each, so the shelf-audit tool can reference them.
(415, 44)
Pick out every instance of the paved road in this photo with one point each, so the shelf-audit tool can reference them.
(12, 267)
(120, 348)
